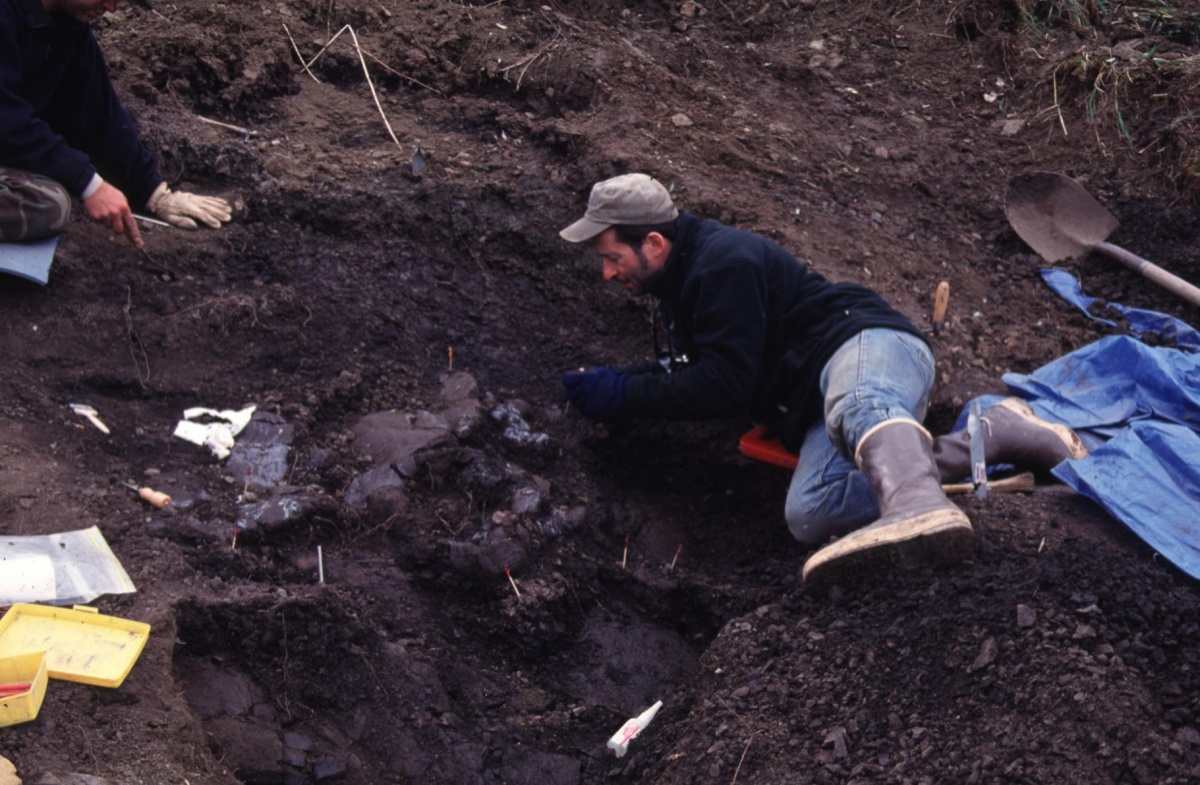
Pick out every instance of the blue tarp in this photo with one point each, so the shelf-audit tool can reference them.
(1148, 478)
(1140, 322)
(1137, 407)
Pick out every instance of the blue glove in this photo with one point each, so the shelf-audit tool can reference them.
(598, 393)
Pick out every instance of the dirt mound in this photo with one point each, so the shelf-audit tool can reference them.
(504, 583)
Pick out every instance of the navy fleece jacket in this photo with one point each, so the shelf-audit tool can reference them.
(59, 115)
(757, 326)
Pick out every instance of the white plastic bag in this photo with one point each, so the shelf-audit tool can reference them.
(217, 436)
(60, 569)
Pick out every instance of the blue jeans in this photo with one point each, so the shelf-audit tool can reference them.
(877, 375)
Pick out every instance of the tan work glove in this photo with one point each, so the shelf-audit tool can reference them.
(183, 209)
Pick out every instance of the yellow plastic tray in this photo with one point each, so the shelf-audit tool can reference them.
(80, 644)
(24, 706)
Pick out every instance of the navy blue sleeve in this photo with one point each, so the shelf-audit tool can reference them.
(64, 120)
(726, 355)
(93, 120)
(26, 141)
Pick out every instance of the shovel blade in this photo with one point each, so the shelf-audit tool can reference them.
(1055, 215)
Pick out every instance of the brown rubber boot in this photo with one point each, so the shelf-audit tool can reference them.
(1012, 433)
(917, 526)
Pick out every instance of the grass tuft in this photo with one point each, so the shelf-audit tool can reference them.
(1132, 69)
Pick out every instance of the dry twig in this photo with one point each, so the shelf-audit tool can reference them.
(742, 759)
(394, 72)
(361, 59)
(528, 61)
(371, 84)
(299, 56)
(326, 46)
(1057, 107)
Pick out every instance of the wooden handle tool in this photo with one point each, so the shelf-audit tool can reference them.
(1018, 483)
(941, 300)
(154, 498)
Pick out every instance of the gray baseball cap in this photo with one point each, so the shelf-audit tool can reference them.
(629, 200)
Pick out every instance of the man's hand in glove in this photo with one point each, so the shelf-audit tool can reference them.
(598, 393)
(183, 209)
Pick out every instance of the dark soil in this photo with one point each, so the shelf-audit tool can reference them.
(652, 560)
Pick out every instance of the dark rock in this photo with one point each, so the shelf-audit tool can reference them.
(213, 691)
(394, 437)
(297, 741)
(253, 752)
(527, 499)
(490, 556)
(328, 767)
(294, 757)
(259, 459)
(286, 506)
(383, 477)
(516, 430)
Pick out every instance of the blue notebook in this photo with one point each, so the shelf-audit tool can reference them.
(30, 259)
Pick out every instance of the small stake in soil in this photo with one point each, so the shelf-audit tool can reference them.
(320, 566)
(625, 553)
(512, 582)
(233, 546)
(678, 551)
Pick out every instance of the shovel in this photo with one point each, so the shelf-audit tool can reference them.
(1059, 219)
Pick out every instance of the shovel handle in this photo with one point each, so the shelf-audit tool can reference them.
(1172, 283)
